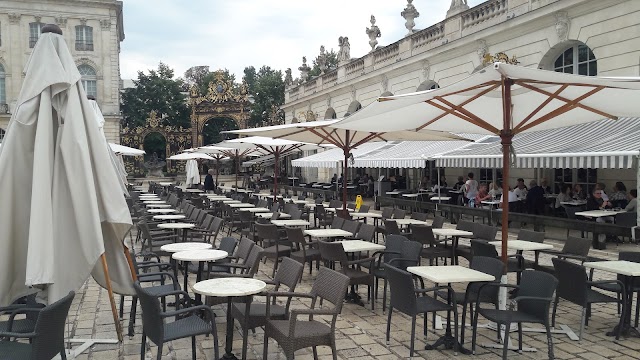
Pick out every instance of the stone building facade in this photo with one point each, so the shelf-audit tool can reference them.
(93, 30)
(589, 37)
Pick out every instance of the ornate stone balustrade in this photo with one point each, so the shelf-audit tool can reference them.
(355, 68)
(310, 86)
(330, 77)
(431, 36)
(488, 11)
(386, 53)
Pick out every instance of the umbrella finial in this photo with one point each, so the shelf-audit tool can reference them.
(51, 28)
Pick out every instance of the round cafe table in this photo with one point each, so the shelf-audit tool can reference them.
(148, 202)
(159, 206)
(178, 226)
(229, 287)
(169, 217)
(161, 211)
(200, 256)
(183, 246)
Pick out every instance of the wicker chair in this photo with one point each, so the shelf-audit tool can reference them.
(483, 248)
(302, 251)
(535, 294)
(159, 332)
(406, 299)
(330, 286)
(277, 248)
(25, 325)
(431, 249)
(47, 338)
(288, 274)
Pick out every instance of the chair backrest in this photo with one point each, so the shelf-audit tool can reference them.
(50, 329)
(399, 214)
(487, 265)
(423, 234)
(485, 232)
(402, 290)
(539, 284)
(438, 222)
(244, 248)
(366, 232)
(332, 252)
(530, 235)
(342, 213)
(337, 223)
(572, 281)
(335, 204)
(466, 225)
(483, 248)
(296, 236)
(268, 232)
(253, 261)
(410, 255)
(393, 247)
(351, 206)
(289, 273)
(351, 226)
(391, 227)
(215, 227)
(332, 286)
(576, 246)
(152, 323)
(419, 216)
(364, 208)
(228, 244)
(387, 213)
(295, 213)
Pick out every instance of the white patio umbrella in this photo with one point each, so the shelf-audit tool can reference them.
(190, 156)
(261, 145)
(219, 153)
(324, 133)
(503, 100)
(62, 208)
(126, 150)
(193, 173)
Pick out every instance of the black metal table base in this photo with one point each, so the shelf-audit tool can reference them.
(353, 298)
(449, 343)
(627, 331)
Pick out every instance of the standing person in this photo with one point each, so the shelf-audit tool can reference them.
(535, 198)
(471, 190)
(601, 186)
(334, 178)
(494, 190)
(521, 189)
(209, 185)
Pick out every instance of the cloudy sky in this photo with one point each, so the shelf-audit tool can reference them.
(234, 34)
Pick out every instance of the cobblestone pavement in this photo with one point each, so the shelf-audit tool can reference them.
(360, 332)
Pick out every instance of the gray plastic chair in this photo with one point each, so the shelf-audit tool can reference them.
(47, 338)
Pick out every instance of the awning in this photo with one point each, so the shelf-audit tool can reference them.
(604, 144)
(266, 160)
(410, 154)
(329, 158)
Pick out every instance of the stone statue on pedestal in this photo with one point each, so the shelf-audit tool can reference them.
(288, 78)
(344, 54)
(304, 70)
(409, 14)
(321, 60)
(373, 32)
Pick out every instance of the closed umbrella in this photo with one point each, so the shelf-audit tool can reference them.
(126, 150)
(62, 208)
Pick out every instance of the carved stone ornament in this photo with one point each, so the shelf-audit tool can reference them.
(409, 14)
(304, 69)
(83, 22)
(501, 58)
(482, 49)
(329, 101)
(105, 24)
(14, 18)
(426, 67)
(288, 78)
(457, 6)
(38, 18)
(61, 21)
(385, 83)
(373, 32)
(344, 54)
(562, 26)
(321, 60)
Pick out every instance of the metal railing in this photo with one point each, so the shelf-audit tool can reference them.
(84, 45)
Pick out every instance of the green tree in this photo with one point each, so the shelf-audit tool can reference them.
(267, 88)
(156, 91)
(332, 63)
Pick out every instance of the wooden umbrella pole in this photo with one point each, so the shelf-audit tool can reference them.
(276, 155)
(506, 136)
(114, 311)
(237, 167)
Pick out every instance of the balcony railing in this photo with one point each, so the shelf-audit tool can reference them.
(84, 46)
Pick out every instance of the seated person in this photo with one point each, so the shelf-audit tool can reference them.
(458, 185)
(578, 192)
(564, 196)
(632, 206)
(601, 186)
(494, 190)
(521, 189)
(511, 197)
(482, 195)
(596, 202)
(544, 183)
(618, 197)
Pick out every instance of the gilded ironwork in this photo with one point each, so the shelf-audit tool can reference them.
(177, 139)
(499, 57)
(222, 100)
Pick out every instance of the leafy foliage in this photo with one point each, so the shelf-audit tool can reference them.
(267, 88)
(155, 91)
(332, 63)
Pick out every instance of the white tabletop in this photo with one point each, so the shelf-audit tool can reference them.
(330, 209)
(360, 245)
(393, 193)
(452, 232)
(295, 201)
(268, 215)
(255, 210)
(161, 211)
(522, 245)
(574, 203)
(410, 195)
(241, 205)
(176, 226)
(217, 197)
(621, 267)
(192, 190)
(297, 222)
(185, 246)
(231, 201)
(200, 255)
(165, 183)
(441, 198)
(159, 206)
(599, 213)
(224, 287)
(144, 196)
(313, 205)
(327, 233)
(409, 222)
(366, 214)
(154, 201)
(169, 217)
(449, 274)
(492, 202)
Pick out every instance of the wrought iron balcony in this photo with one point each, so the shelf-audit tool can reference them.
(84, 45)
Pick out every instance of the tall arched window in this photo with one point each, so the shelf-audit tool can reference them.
(3, 89)
(89, 79)
(578, 59)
